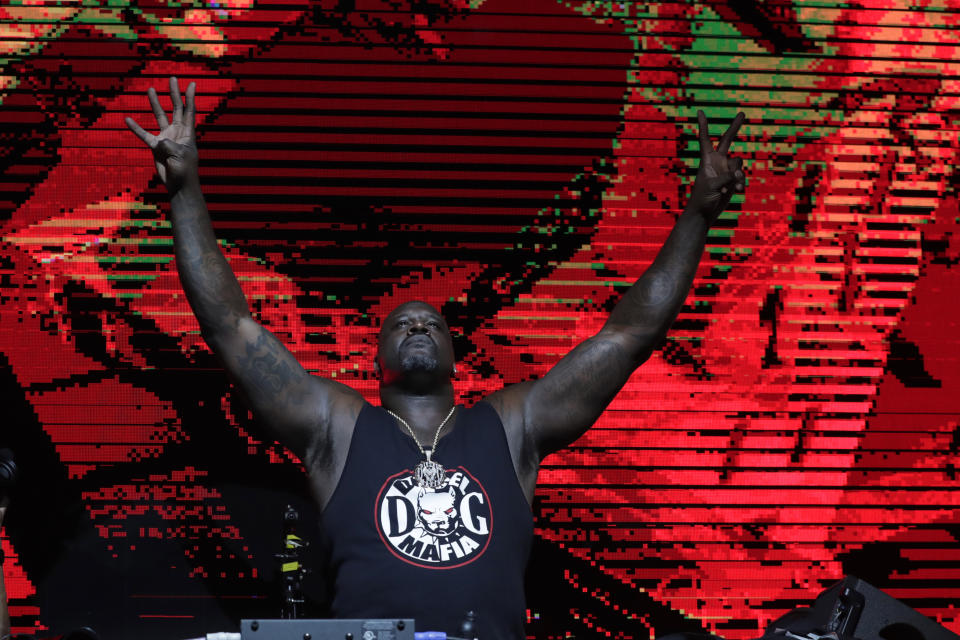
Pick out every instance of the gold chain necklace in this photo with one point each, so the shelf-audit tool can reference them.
(429, 474)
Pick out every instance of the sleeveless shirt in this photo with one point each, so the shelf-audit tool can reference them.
(397, 550)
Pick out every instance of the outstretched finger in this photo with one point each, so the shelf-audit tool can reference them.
(157, 109)
(731, 133)
(148, 138)
(177, 100)
(190, 114)
(705, 144)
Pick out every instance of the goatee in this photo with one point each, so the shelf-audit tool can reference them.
(418, 362)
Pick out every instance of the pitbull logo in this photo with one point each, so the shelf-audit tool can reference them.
(437, 511)
(435, 528)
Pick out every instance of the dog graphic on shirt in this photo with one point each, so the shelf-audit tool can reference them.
(434, 528)
(437, 511)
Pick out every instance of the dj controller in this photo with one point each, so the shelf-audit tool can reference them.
(344, 629)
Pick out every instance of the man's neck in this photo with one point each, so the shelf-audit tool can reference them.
(423, 412)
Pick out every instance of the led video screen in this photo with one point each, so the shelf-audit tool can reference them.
(518, 165)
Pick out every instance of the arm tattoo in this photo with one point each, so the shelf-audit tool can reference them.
(267, 370)
(656, 288)
(218, 299)
(277, 387)
(212, 288)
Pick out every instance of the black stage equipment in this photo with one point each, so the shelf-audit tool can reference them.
(849, 610)
(855, 610)
(327, 629)
(359, 629)
(8, 471)
(291, 566)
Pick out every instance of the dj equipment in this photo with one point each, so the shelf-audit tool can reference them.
(304, 629)
(8, 470)
(855, 610)
(849, 610)
(291, 567)
(468, 628)
(369, 629)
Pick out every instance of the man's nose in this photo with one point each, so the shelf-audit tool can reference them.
(418, 326)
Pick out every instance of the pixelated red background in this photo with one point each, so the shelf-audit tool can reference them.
(518, 165)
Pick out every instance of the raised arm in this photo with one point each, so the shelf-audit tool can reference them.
(547, 414)
(295, 407)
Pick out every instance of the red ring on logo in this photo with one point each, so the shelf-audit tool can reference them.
(389, 545)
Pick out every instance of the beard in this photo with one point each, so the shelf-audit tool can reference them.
(418, 362)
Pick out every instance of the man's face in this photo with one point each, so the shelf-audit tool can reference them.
(415, 339)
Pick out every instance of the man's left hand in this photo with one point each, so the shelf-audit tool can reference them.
(719, 175)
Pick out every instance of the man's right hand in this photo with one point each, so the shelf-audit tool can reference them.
(175, 146)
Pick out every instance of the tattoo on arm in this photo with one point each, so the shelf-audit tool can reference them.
(217, 299)
(211, 287)
(269, 372)
(656, 288)
(278, 388)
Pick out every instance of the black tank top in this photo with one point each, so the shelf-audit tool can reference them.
(399, 551)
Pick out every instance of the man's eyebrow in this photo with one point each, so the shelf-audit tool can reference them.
(397, 315)
(430, 316)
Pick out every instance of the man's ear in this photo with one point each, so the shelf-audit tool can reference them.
(376, 364)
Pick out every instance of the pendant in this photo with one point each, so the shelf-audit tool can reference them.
(430, 474)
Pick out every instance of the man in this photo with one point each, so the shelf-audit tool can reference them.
(410, 535)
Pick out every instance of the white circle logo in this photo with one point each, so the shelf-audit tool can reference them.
(435, 528)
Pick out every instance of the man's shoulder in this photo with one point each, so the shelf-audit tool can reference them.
(344, 403)
(509, 402)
